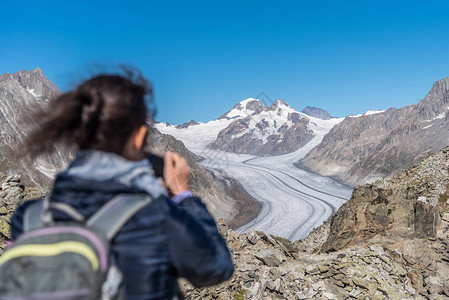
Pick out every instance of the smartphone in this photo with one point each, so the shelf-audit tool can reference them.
(158, 164)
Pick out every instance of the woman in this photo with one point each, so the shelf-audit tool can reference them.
(105, 119)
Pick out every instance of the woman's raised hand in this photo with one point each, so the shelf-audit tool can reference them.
(176, 173)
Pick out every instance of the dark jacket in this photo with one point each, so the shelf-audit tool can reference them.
(161, 242)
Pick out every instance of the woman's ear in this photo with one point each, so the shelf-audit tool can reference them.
(139, 137)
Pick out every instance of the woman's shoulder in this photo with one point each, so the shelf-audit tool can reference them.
(154, 212)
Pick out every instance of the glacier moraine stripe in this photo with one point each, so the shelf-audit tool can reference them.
(77, 230)
(51, 250)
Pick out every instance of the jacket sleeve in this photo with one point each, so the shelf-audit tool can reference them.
(198, 251)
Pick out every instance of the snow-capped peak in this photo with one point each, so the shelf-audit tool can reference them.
(245, 108)
(278, 104)
(246, 101)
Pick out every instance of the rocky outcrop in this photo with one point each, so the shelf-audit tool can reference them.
(317, 113)
(366, 148)
(409, 205)
(12, 194)
(274, 268)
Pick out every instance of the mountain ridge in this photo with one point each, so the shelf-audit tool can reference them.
(251, 127)
(369, 147)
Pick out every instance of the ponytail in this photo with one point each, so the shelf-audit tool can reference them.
(92, 106)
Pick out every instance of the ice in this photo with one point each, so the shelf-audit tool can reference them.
(294, 201)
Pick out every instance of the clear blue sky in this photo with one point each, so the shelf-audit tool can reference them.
(204, 56)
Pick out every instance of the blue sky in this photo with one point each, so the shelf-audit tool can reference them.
(204, 56)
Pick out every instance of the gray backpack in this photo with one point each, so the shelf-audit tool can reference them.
(67, 260)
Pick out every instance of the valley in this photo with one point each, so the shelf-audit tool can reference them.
(294, 201)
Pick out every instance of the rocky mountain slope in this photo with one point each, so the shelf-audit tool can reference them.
(368, 147)
(21, 94)
(203, 183)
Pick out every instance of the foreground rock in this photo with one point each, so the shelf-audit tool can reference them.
(411, 205)
(275, 269)
(12, 194)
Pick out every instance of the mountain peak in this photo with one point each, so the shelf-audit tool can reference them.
(38, 70)
(187, 124)
(316, 113)
(246, 101)
(440, 86)
(278, 103)
(245, 108)
(34, 82)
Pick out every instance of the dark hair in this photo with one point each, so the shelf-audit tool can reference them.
(101, 114)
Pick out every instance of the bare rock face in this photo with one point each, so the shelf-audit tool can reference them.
(275, 130)
(317, 113)
(369, 147)
(187, 124)
(410, 205)
(203, 183)
(21, 94)
(12, 193)
(37, 84)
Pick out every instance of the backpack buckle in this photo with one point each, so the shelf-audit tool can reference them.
(112, 283)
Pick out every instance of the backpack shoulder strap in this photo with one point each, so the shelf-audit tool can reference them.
(32, 216)
(38, 214)
(116, 212)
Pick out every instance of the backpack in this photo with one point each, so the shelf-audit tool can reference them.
(67, 260)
